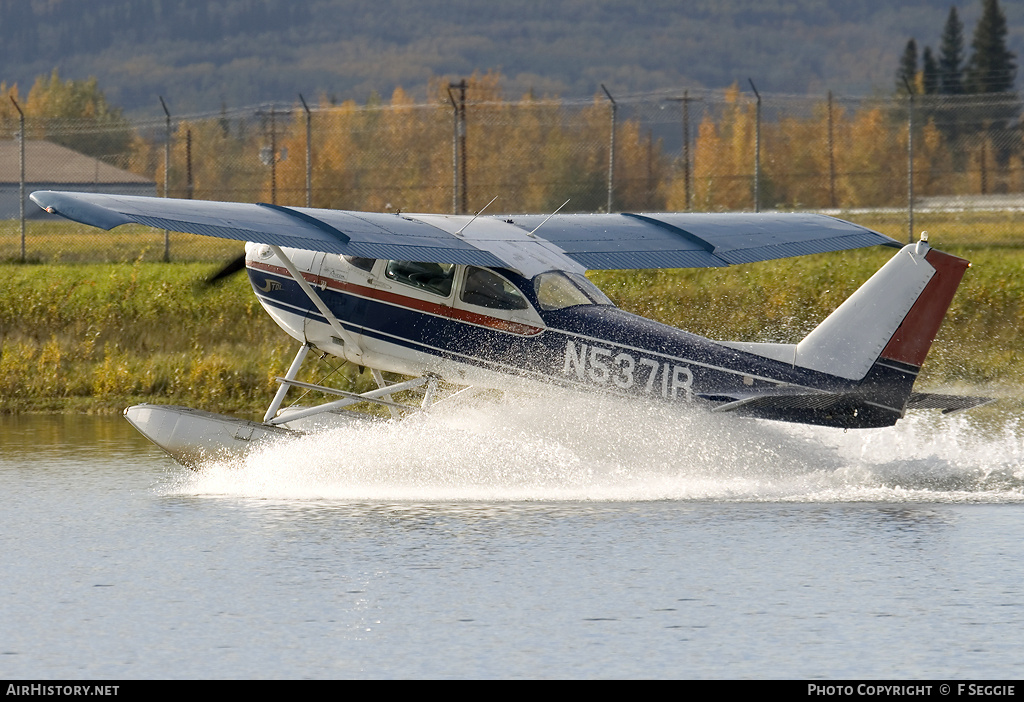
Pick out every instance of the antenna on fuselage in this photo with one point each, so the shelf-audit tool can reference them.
(534, 232)
(459, 233)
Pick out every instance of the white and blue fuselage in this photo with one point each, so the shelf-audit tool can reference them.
(556, 327)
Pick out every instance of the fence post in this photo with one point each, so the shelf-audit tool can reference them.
(21, 164)
(757, 150)
(273, 156)
(455, 152)
(611, 149)
(831, 156)
(983, 164)
(686, 149)
(167, 174)
(910, 163)
(189, 185)
(309, 153)
(459, 147)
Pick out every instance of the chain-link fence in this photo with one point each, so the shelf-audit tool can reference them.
(898, 164)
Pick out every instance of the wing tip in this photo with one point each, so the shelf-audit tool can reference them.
(72, 206)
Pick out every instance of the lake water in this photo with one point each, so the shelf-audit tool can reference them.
(568, 537)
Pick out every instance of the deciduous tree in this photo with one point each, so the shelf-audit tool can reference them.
(76, 114)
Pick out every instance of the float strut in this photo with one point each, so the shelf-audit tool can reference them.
(281, 391)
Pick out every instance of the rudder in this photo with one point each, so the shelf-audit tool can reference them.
(914, 337)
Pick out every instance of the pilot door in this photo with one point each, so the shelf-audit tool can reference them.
(313, 327)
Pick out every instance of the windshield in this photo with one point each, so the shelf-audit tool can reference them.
(557, 290)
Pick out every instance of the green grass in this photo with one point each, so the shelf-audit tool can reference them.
(967, 229)
(70, 242)
(97, 337)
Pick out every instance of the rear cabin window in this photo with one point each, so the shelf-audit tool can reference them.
(486, 288)
(435, 278)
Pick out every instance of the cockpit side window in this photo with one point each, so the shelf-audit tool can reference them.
(365, 264)
(435, 278)
(488, 289)
(556, 290)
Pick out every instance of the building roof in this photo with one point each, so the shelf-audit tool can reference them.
(46, 162)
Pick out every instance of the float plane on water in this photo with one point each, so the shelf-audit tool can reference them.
(472, 300)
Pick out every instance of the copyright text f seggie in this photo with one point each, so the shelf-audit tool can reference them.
(866, 690)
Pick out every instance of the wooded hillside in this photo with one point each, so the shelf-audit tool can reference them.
(202, 53)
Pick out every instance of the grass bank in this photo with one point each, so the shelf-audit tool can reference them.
(97, 337)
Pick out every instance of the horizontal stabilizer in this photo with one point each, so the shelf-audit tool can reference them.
(947, 403)
(807, 406)
(837, 409)
(797, 397)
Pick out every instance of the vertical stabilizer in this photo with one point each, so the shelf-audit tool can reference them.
(895, 315)
(877, 339)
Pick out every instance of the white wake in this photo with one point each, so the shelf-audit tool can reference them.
(572, 447)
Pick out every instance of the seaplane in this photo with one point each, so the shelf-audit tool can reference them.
(471, 301)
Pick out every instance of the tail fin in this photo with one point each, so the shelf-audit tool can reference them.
(877, 339)
(894, 316)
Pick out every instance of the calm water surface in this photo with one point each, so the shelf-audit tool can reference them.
(568, 540)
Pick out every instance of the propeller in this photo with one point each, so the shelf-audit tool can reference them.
(228, 270)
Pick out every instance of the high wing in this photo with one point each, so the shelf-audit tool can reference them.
(529, 244)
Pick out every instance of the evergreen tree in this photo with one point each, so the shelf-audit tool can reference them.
(907, 73)
(991, 68)
(930, 79)
(931, 84)
(951, 56)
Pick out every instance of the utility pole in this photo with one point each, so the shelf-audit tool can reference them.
(687, 183)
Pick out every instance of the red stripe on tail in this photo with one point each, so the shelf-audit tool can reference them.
(915, 334)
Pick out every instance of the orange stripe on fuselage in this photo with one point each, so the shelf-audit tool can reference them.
(406, 301)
